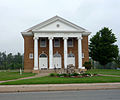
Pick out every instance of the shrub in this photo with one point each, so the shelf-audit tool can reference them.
(52, 74)
(87, 65)
(64, 74)
(74, 74)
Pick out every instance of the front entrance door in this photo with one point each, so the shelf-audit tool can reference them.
(57, 60)
(43, 61)
(71, 59)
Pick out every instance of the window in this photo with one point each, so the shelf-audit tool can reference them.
(30, 55)
(82, 55)
(42, 42)
(43, 55)
(71, 55)
(70, 42)
(56, 42)
(56, 55)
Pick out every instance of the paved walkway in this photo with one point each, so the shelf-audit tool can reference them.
(58, 87)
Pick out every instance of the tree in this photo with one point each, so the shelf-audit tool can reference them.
(102, 47)
(10, 61)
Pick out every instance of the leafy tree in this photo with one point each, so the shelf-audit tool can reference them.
(102, 47)
(87, 65)
(10, 61)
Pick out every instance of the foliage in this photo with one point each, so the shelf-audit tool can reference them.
(10, 61)
(102, 47)
(74, 74)
(87, 65)
(69, 75)
(52, 74)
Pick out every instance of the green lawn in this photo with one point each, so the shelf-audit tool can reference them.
(62, 80)
(105, 71)
(13, 75)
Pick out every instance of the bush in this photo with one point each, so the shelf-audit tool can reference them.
(52, 74)
(74, 74)
(87, 65)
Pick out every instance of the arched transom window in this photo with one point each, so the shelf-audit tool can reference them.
(43, 55)
(71, 54)
(57, 55)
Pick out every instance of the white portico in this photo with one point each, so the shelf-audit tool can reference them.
(51, 29)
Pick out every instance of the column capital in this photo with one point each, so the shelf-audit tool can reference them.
(50, 38)
(79, 38)
(35, 38)
(65, 38)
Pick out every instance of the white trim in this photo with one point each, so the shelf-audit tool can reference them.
(53, 19)
(57, 35)
(32, 30)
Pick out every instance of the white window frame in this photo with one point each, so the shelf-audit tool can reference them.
(30, 55)
(45, 42)
(57, 45)
(72, 42)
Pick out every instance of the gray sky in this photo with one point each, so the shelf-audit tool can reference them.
(18, 15)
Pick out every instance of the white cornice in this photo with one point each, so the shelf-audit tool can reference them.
(32, 30)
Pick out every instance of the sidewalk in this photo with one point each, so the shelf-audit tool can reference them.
(57, 87)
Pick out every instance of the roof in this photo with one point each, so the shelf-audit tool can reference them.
(31, 30)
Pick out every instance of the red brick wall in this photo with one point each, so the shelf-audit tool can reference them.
(29, 48)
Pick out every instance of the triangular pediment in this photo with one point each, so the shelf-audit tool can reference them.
(56, 24)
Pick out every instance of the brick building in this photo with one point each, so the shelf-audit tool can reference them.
(55, 43)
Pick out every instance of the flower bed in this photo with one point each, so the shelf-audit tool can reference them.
(75, 75)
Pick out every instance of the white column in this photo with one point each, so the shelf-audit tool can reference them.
(65, 52)
(35, 53)
(50, 53)
(80, 52)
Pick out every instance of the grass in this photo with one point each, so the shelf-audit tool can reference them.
(63, 80)
(105, 71)
(60, 80)
(13, 75)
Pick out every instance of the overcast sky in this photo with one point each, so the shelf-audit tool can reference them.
(18, 15)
